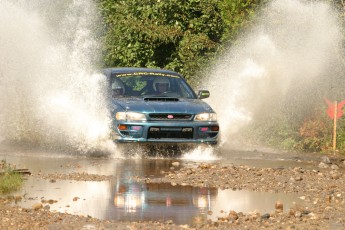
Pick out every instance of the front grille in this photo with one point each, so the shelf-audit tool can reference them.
(169, 117)
(170, 133)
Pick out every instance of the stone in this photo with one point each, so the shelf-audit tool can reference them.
(298, 178)
(176, 164)
(323, 165)
(265, 216)
(233, 215)
(335, 167)
(325, 160)
(279, 206)
(291, 212)
(298, 214)
(37, 206)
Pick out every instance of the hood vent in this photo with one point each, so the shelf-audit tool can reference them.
(160, 99)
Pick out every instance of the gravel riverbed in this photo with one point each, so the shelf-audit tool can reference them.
(322, 189)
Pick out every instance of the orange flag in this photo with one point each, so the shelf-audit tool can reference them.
(330, 109)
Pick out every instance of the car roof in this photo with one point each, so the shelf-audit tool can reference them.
(119, 70)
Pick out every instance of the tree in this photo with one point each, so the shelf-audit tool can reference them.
(175, 35)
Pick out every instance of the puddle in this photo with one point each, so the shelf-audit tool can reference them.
(122, 198)
(132, 201)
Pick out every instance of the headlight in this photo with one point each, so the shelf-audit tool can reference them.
(130, 116)
(206, 117)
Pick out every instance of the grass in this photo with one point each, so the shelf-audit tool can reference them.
(9, 180)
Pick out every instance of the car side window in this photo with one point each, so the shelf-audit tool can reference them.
(184, 90)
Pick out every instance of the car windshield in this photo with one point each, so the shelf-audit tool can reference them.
(150, 85)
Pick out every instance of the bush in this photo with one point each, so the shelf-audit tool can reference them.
(175, 35)
(9, 180)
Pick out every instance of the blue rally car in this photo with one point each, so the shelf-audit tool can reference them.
(158, 106)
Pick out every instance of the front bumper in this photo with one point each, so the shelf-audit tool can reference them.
(166, 132)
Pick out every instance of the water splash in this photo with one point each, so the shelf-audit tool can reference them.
(287, 62)
(50, 94)
(201, 153)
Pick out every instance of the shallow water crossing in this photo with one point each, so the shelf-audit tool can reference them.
(119, 196)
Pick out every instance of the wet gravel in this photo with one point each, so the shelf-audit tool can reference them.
(322, 188)
(73, 176)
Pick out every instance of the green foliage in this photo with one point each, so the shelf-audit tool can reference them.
(238, 15)
(341, 135)
(9, 180)
(315, 134)
(186, 36)
(276, 132)
(180, 36)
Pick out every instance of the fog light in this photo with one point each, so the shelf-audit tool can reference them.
(203, 129)
(122, 127)
(137, 128)
(154, 129)
(215, 128)
(187, 130)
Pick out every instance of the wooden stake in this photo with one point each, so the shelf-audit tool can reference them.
(335, 127)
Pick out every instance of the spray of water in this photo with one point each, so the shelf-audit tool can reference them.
(287, 62)
(49, 94)
(201, 153)
(50, 97)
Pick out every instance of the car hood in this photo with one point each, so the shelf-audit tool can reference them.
(155, 105)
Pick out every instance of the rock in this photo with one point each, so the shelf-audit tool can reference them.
(323, 165)
(279, 206)
(325, 160)
(291, 212)
(298, 178)
(306, 212)
(334, 167)
(313, 216)
(189, 172)
(37, 206)
(76, 198)
(265, 216)
(169, 222)
(328, 208)
(18, 198)
(334, 176)
(51, 201)
(233, 215)
(298, 214)
(176, 164)
(209, 212)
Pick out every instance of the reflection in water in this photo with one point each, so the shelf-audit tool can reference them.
(186, 204)
(132, 201)
(135, 201)
(123, 198)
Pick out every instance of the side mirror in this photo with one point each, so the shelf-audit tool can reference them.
(203, 94)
